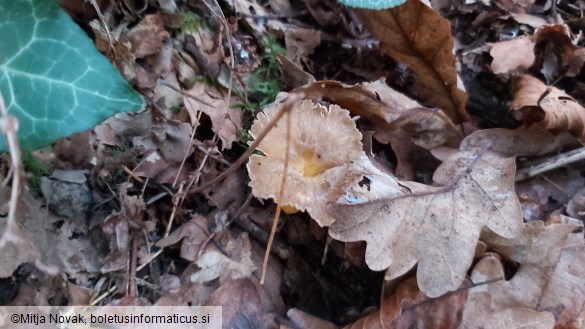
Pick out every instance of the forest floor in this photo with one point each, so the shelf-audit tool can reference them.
(460, 150)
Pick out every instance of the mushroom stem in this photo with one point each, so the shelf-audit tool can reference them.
(279, 201)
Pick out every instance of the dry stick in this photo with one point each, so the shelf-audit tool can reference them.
(103, 21)
(9, 126)
(292, 99)
(103, 296)
(555, 162)
(184, 93)
(279, 201)
(195, 125)
(131, 174)
(167, 231)
(132, 289)
(226, 27)
(197, 176)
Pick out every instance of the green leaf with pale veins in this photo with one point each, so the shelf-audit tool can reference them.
(52, 77)
(372, 4)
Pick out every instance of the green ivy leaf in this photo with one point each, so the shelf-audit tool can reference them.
(372, 4)
(52, 77)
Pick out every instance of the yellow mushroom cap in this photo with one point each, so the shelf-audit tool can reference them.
(324, 144)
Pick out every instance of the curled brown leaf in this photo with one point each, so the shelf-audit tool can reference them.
(417, 36)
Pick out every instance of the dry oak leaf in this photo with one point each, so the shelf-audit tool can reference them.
(532, 244)
(436, 227)
(407, 307)
(544, 108)
(516, 142)
(478, 313)
(225, 119)
(555, 284)
(419, 37)
(324, 144)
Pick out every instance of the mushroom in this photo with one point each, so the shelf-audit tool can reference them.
(325, 143)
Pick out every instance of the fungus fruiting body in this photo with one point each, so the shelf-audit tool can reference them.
(324, 144)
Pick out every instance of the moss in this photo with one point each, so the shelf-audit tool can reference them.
(35, 169)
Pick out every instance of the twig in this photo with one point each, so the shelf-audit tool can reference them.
(106, 28)
(9, 127)
(103, 296)
(195, 125)
(552, 163)
(12, 233)
(167, 231)
(131, 174)
(184, 93)
(131, 289)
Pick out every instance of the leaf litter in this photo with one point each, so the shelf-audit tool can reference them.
(402, 209)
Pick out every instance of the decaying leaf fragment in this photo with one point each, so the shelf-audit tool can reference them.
(324, 143)
(558, 56)
(226, 119)
(512, 55)
(417, 36)
(436, 227)
(543, 108)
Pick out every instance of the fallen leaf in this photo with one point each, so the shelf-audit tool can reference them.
(518, 142)
(479, 314)
(172, 138)
(545, 108)
(436, 227)
(576, 206)
(203, 45)
(388, 111)
(512, 55)
(249, 9)
(192, 233)
(305, 320)
(147, 37)
(557, 55)
(188, 294)
(293, 75)
(407, 307)
(119, 52)
(225, 118)
(555, 284)
(166, 98)
(300, 43)
(532, 244)
(417, 36)
(530, 20)
(215, 264)
(468, 307)
(244, 305)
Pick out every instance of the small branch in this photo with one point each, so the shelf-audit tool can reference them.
(9, 127)
(552, 163)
